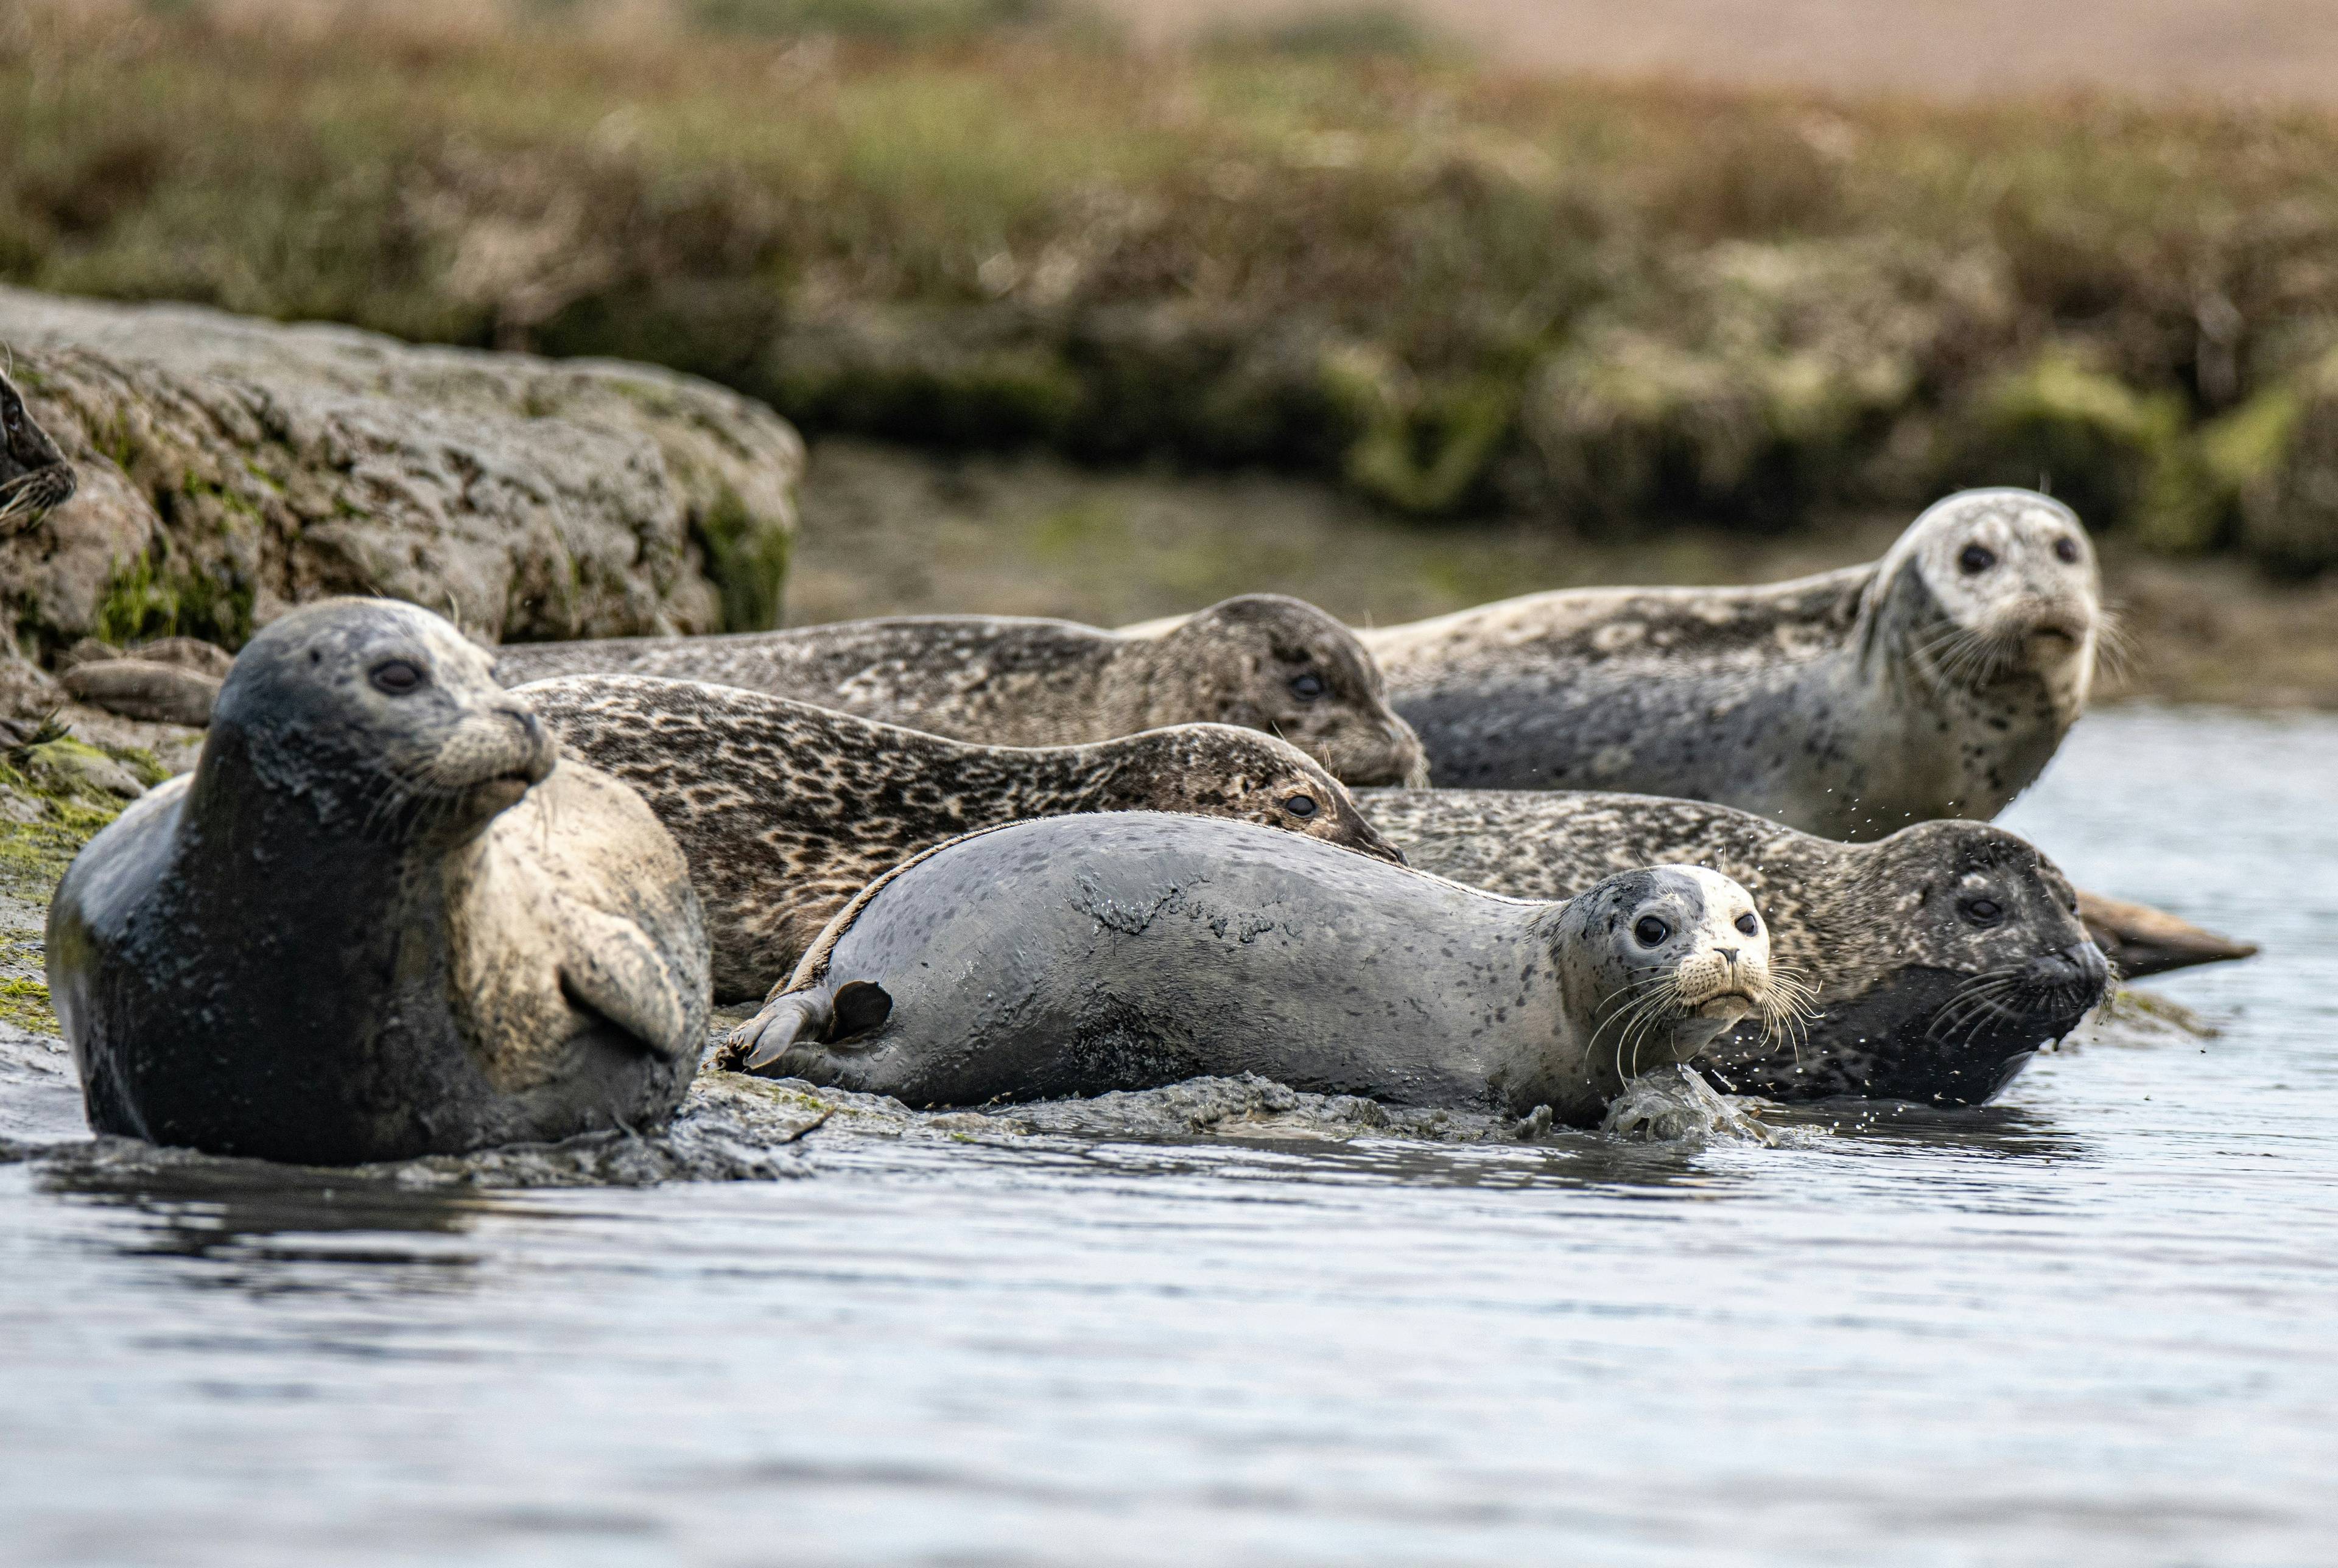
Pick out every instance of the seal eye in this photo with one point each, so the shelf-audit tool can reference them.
(1301, 805)
(1976, 559)
(1983, 911)
(2066, 549)
(1750, 926)
(1307, 687)
(1651, 931)
(396, 677)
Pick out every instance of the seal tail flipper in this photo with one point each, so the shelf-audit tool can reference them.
(817, 1015)
(2140, 940)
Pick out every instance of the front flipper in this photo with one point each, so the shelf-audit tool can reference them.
(614, 968)
(817, 1015)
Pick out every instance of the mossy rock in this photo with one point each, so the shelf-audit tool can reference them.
(1422, 449)
(2275, 459)
(2121, 458)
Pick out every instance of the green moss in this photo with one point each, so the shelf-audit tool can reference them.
(146, 598)
(747, 557)
(2119, 457)
(25, 1003)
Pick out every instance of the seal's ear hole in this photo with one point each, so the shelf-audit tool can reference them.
(859, 1006)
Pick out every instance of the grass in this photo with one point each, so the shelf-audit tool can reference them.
(1448, 289)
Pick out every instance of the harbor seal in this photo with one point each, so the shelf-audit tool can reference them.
(1258, 661)
(1936, 683)
(1077, 955)
(379, 919)
(785, 810)
(34, 477)
(1942, 955)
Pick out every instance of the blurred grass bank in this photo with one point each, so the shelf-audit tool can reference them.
(1333, 251)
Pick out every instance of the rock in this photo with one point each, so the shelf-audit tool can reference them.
(231, 468)
(145, 689)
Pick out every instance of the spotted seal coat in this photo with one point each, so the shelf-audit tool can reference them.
(379, 919)
(34, 477)
(1260, 662)
(1935, 683)
(1942, 955)
(785, 810)
(1080, 954)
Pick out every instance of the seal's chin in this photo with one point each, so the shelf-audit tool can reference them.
(501, 793)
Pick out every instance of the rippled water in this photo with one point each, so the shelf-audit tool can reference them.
(2093, 1323)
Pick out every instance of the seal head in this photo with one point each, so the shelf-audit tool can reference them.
(1664, 962)
(1992, 594)
(1952, 952)
(1265, 661)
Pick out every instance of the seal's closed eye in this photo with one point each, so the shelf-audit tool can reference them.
(1307, 687)
(397, 676)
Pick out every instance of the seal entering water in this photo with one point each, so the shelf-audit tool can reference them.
(784, 810)
(1260, 662)
(1081, 954)
(379, 919)
(1943, 956)
(1936, 683)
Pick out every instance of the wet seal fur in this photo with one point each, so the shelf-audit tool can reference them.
(1077, 955)
(1258, 661)
(380, 919)
(1942, 955)
(784, 810)
(34, 477)
(1936, 683)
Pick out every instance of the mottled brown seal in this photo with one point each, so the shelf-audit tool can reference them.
(784, 810)
(1942, 955)
(1260, 662)
(34, 475)
(379, 919)
(1936, 683)
(1081, 954)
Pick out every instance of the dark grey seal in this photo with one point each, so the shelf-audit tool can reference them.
(1943, 956)
(1260, 662)
(379, 919)
(1082, 955)
(1936, 683)
(784, 810)
(34, 477)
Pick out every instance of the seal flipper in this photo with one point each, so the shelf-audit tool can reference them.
(817, 1015)
(619, 973)
(792, 1018)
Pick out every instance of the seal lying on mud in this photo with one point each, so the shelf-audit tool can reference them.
(379, 919)
(34, 473)
(1943, 956)
(1081, 954)
(1935, 683)
(784, 810)
(1260, 662)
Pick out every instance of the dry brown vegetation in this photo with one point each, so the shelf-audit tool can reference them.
(1451, 289)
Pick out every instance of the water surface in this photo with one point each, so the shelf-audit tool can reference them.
(2092, 1323)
